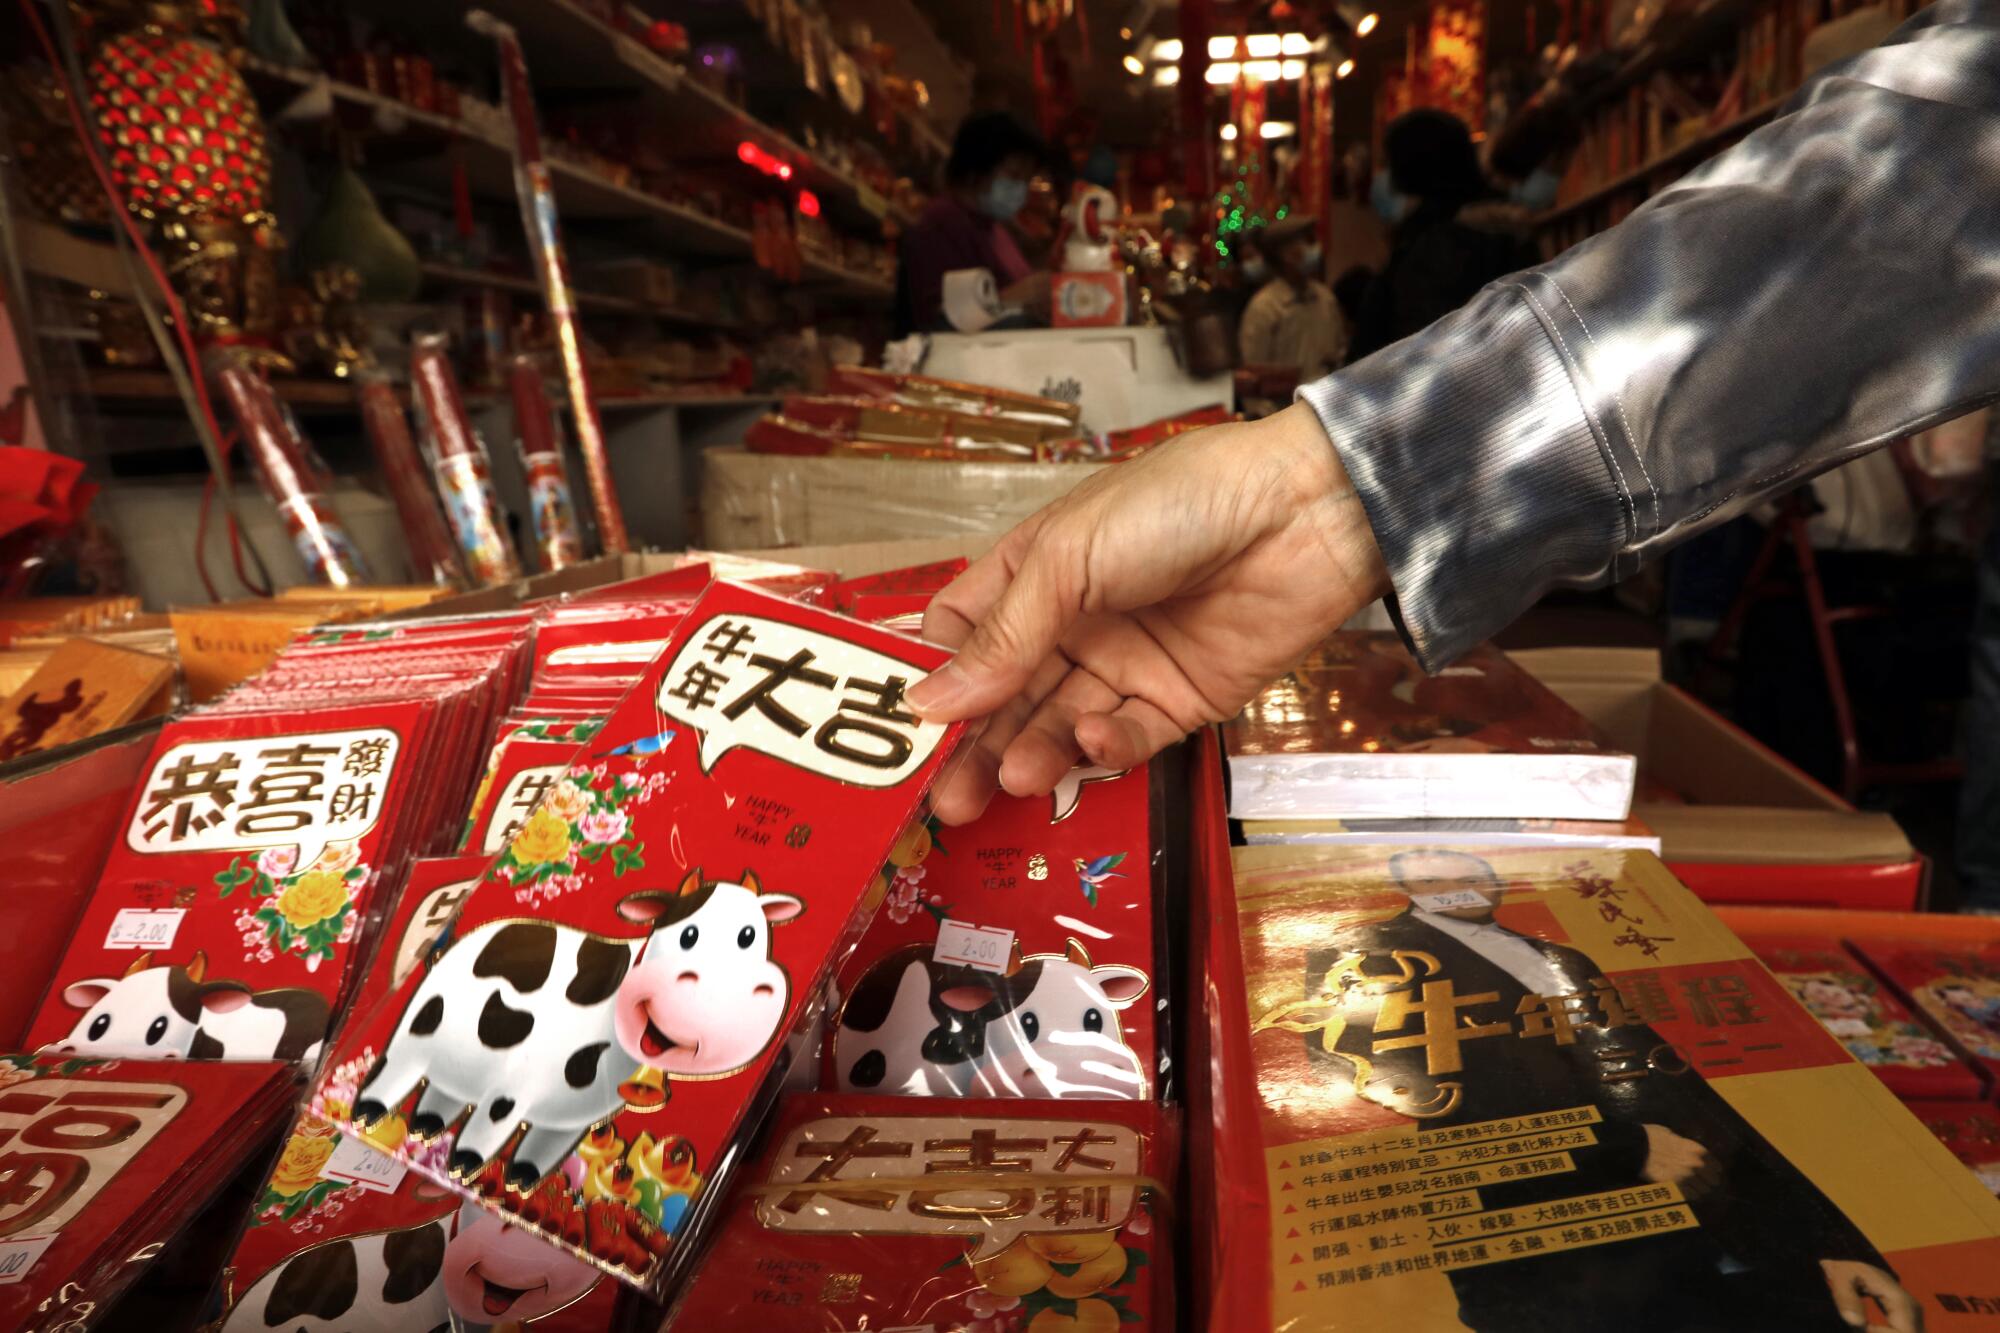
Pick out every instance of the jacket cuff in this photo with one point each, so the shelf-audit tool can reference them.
(1486, 478)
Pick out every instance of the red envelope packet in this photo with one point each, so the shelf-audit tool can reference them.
(342, 1237)
(634, 961)
(104, 1159)
(1958, 989)
(1970, 1129)
(1014, 957)
(1865, 1016)
(909, 580)
(903, 1213)
(229, 911)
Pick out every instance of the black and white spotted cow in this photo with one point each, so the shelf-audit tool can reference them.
(517, 1021)
(174, 1012)
(1046, 1027)
(473, 1266)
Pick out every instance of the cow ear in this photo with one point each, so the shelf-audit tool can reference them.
(1121, 985)
(751, 882)
(645, 907)
(223, 997)
(967, 999)
(780, 907)
(692, 882)
(84, 994)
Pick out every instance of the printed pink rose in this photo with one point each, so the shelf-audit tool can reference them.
(278, 862)
(603, 825)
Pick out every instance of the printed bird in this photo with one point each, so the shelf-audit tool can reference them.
(649, 745)
(1091, 875)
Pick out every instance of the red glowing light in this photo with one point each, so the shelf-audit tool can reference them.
(808, 203)
(751, 155)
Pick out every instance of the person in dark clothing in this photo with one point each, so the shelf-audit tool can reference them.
(1770, 1251)
(1451, 233)
(993, 159)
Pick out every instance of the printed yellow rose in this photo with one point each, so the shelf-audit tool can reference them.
(317, 896)
(300, 1164)
(568, 801)
(544, 838)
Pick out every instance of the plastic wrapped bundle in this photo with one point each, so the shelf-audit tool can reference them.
(433, 557)
(558, 536)
(464, 476)
(292, 475)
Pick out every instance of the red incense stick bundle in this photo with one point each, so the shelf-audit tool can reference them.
(538, 216)
(293, 477)
(433, 556)
(464, 476)
(558, 537)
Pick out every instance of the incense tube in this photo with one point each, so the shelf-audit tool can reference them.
(464, 476)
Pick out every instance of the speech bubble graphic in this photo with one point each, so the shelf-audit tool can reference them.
(802, 697)
(429, 918)
(245, 794)
(1069, 790)
(989, 1181)
(519, 799)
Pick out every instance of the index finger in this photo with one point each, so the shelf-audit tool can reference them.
(960, 605)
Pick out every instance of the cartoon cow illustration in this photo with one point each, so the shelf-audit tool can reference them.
(171, 1012)
(1046, 1027)
(516, 1020)
(472, 1265)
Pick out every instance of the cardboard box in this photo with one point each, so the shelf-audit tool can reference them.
(1755, 829)
(763, 500)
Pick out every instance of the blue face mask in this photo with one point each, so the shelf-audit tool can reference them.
(1388, 205)
(1256, 271)
(1003, 197)
(1538, 192)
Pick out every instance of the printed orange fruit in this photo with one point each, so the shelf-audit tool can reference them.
(912, 847)
(1092, 1276)
(1090, 1317)
(1015, 1271)
(1072, 1247)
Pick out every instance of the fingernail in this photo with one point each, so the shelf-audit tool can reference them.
(937, 690)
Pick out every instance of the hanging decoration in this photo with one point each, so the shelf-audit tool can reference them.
(458, 457)
(538, 215)
(558, 538)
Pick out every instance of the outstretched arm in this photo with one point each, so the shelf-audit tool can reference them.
(1822, 288)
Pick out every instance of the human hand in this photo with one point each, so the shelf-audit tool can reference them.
(1673, 1160)
(1157, 597)
(1852, 1283)
(1030, 294)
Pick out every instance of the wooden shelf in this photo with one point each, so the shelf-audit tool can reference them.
(150, 388)
(1677, 161)
(453, 275)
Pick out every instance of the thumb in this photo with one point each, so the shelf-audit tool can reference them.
(1847, 1299)
(1006, 645)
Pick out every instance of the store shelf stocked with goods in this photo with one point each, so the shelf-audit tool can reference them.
(1651, 107)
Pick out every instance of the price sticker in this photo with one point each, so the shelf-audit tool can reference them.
(18, 1256)
(355, 1163)
(987, 948)
(1457, 900)
(144, 928)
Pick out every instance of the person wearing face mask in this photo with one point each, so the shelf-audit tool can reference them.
(1293, 319)
(993, 159)
(1451, 232)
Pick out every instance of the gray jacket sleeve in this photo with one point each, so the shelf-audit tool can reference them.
(1829, 284)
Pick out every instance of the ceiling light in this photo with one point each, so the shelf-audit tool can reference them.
(1221, 48)
(1223, 73)
(1166, 76)
(1264, 45)
(1134, 66)
(1367, 24)
(1266, 71)
(1292, 69)
(1167, 49)
(1228, 134)
(1344, 68)
(1124, 34)
(1296, 44)
(1278, 129)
